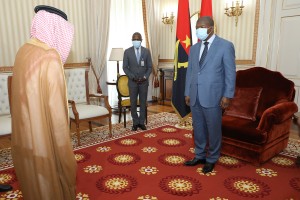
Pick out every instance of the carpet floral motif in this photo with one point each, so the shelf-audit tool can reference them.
(7, 177)
(180, 185)
(147, 197)
(150, 135)
(103, 149)
(247, 187)
(82, 196)
(168, 130)
(229, 162)
(149, 149)
(149, 170)
(124, 158)
(171, 142)
(116, 183)
(266, 172)
(81, 157)
(91, 169)
(173, 159)
(283, 161)
(128, 142)
(212, 173)
(11, 195)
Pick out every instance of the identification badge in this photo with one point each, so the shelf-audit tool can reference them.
(142, 63)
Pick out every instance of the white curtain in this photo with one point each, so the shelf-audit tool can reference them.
(98, 30)
(153, 17)
(126, 17)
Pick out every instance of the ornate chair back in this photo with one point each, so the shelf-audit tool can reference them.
(5, 116)
(79, 99)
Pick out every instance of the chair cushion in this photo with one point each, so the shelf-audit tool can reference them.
(88, 111)
(243, 130)
(5, 124)
(126, 103)
(245, 102)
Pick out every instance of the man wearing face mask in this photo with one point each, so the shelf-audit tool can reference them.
(210, 85)
(137, 65)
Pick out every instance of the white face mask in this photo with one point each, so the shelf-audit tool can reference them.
(202, 33)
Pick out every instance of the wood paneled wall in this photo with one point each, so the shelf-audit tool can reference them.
(15, 23)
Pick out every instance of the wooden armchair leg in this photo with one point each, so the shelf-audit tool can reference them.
(120, 113)
(146, 115)
(124, 117)
(110, 127)
(78, 134)
(90, 126)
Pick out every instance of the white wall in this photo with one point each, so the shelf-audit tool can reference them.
(278, 39)
(284, 54)
(15, 22)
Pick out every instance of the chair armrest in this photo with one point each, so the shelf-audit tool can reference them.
(73, 105)
(276, 115)
(104, 97)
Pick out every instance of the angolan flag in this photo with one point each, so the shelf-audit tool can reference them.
(182, 47)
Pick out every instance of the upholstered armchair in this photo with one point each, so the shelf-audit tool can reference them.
(5, 116)
(79, 99)
(256, 125)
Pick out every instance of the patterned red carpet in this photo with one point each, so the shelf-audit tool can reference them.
(148, 165)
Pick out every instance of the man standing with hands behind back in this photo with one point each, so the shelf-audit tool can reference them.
(210, 84)
(137, 65)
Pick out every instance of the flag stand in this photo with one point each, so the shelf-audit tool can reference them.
(185, 123)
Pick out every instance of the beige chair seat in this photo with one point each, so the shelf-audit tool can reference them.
(88, 111)
(5, 122)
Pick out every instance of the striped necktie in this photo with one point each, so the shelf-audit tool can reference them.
(204, 53)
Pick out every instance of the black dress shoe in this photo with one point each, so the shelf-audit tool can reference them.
(134, 127)
(195, 161)
(142, 126)
(5, 188)
(208, 167)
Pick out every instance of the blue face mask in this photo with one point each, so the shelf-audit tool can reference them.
(202, 33)
(136, 43)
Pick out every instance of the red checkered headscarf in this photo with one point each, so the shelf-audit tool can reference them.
(53, 30)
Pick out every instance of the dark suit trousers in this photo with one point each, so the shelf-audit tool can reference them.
(138, 91)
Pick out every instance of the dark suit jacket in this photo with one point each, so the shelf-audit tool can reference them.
(132, 68)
